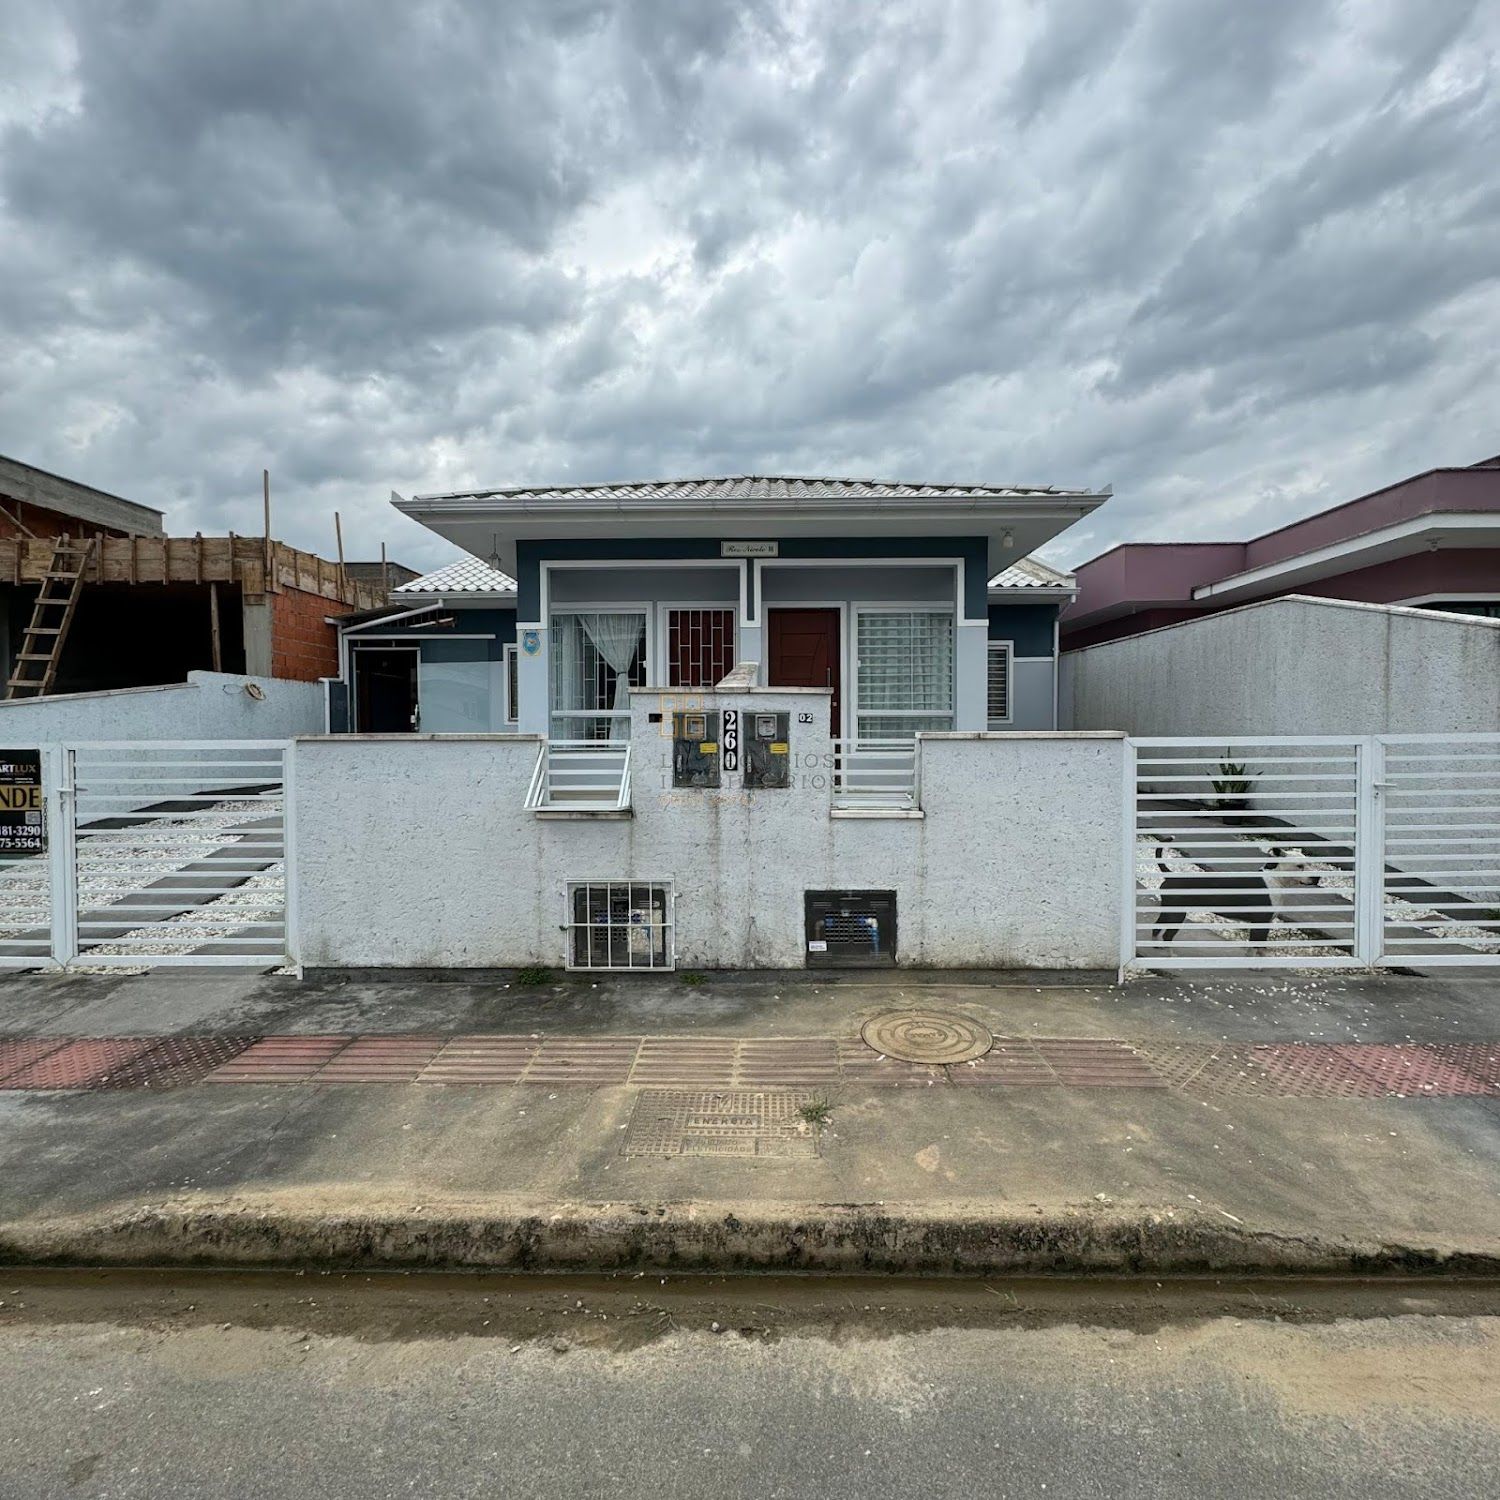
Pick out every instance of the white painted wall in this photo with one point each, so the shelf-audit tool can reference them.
(1294, 666)
(415, 851)
(208, 706)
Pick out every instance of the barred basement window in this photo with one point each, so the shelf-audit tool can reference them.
(620, 924)
(997, 682)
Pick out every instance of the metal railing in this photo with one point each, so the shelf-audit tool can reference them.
(580, 776)
(155, 853)
(876, 774)
(1312, 852)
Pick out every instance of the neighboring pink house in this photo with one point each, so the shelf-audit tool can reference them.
(1432, 541)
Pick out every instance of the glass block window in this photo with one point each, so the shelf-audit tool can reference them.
(904, 673)
(700, 647)
(619, 924)
(997, 683)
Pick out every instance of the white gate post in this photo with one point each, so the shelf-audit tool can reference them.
(62, 852)
(289, 880)
(1128, 860)
(1369, 852)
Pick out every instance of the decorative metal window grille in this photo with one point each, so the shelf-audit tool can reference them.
(512, 685)
(997, 682)
(597, 657)
(700, 647)
(618, 924)
(904, 677)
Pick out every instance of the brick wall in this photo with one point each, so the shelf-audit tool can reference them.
(303, 645)
(39, 521)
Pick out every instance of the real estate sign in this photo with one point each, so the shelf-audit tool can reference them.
(23, 825)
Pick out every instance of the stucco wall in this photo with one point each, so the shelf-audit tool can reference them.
(417, 851)
(208, 706)
(1294, 666)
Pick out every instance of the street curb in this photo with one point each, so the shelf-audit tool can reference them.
(719, 1237)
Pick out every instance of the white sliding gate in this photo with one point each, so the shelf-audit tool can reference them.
(1312, 852)
(160, 852)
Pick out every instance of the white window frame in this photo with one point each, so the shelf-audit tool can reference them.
(510, 673)
(669, 927)
(649, 658)
(1008, 650)
(853, 710)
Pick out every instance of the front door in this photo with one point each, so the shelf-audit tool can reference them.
(804, 652)
(385, 690)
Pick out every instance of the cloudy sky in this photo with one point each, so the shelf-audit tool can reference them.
(1238, 259)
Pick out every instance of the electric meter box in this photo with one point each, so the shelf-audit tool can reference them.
(695, 748)
(768, 752)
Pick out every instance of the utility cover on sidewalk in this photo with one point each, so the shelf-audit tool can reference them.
(937, 1037)
(725, 1122)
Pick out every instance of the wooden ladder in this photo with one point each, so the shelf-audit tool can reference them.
(35, 667)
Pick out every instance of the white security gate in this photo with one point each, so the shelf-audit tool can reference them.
(1312, 852)
(157, 853)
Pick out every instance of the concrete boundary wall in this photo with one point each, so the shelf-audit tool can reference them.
(1293, 666)
(417, 851)
(208, 706)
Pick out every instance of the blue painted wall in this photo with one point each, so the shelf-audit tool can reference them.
(530, 555)
(1027, 626)
(499, 622)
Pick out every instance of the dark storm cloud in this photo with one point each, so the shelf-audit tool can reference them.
(1235, 258)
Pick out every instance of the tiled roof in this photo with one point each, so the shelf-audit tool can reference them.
(751, 487)
(1032, 573)
(466, 576)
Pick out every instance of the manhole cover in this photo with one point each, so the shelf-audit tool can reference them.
(927, 1036)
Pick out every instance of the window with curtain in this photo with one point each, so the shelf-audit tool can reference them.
(597, 657)
(904, 673)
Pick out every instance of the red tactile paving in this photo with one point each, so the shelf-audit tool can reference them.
(80, 1064)
(787, 1062)
(1294, 1069)
(482, 1060)
(690, 1062)
(174, 1061)
(591, 1060)
(381, 1059)
(280, 1059)
(858, 1064)
(18, 1054)
(1371, 1070)
(1052, 1062)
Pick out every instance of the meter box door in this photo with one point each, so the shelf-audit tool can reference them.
(695, 748)
(851, 929)
(768, 757)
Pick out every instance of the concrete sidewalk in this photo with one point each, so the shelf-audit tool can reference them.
(926, 1178)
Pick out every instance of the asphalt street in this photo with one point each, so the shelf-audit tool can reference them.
(271, 1387)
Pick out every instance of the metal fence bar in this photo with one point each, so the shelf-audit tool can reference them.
(178, 853)
(1388, 849)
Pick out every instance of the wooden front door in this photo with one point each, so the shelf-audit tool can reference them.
(804, 652)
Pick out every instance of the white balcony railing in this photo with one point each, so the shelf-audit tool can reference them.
(581, 776)
(875, 774)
